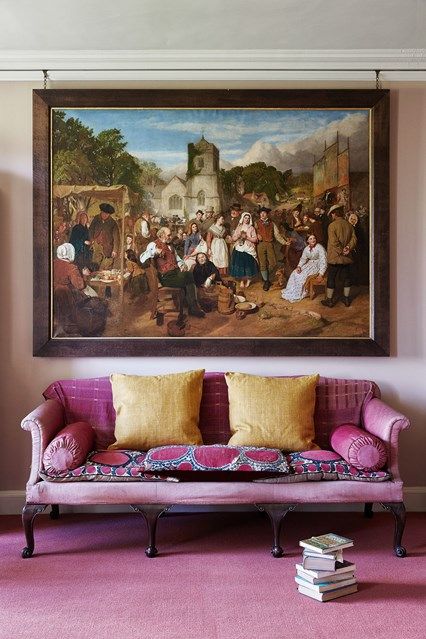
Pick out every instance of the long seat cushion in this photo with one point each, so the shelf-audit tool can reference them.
(128, 465)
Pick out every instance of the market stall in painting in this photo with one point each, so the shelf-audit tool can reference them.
(90, 223)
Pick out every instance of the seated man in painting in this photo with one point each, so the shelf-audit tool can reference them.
(172, 271)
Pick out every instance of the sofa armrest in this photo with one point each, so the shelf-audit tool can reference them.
(386, 423)
(43, 423)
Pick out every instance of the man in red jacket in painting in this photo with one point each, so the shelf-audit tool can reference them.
(172, 271)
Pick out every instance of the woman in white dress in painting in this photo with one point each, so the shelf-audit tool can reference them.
(217, 247)
(312, 262)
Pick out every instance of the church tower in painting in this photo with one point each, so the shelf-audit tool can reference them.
(203, 189)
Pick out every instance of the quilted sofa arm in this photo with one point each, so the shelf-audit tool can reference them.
(386, 423)
(43, 423)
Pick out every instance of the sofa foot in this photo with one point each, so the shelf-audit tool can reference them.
(151, 551)
(54, 511)
(276, 514)
(398, 510)
(29, 513)
(368, 510)
(151, 514)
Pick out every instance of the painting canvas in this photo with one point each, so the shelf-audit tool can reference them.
(212, 225)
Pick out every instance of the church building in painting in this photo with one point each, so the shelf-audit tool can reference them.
(201, 189)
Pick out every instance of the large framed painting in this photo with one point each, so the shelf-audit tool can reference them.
(213, 222)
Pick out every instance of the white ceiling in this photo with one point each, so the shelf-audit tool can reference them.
(213, 24)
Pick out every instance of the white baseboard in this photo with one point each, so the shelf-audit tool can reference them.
(12, 501)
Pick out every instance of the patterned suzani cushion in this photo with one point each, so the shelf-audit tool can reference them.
(315, 465)
(312, 465)
(108, 465)
(217, 457)
(331, 466)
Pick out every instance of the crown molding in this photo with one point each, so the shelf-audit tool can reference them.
(247, 64)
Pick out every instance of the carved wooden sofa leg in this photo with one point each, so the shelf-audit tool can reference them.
(54, 511)
(29, 513)
(276, 514)
(151, 514)
(398, 510)
(368, 510)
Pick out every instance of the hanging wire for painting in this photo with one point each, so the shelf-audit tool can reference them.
(378, 80)
(45, 78)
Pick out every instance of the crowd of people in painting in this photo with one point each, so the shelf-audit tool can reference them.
(231, 249)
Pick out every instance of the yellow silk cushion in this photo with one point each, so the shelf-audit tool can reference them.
(158, 410)
(271, 411)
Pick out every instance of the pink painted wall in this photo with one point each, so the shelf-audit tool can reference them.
(402, 377)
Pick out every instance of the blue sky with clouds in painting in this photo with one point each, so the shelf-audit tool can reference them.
(162, 135)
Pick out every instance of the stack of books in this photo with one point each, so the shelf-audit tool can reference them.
(323, 574)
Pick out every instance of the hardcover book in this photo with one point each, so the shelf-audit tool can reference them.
(341, 568)
(327, 596)
(324, 544)
(324, 586)
(337, 555)
(318, 562)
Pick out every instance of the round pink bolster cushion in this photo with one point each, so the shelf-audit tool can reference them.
(69, 448)
(358, 448)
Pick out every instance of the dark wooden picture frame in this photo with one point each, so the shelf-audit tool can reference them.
(376, 101)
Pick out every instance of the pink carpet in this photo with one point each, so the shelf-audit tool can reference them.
(214, 579)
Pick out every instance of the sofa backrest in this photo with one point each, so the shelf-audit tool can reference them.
(337, 401)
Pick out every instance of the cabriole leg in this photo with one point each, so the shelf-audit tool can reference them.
(29, 513)
(368, 510)
(276, 514)
(398, 510)
(151, 514)
(54, 511)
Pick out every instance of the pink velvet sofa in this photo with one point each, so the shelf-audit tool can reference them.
(317, 477)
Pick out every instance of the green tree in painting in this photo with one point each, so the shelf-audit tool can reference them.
(110, 146)
(80, 157)
(72, 167)
(70, 134)
(73, 151)
(230, 180)
(257, 177)
(150, 173)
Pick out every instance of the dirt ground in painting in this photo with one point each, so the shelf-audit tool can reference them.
(274, 317)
